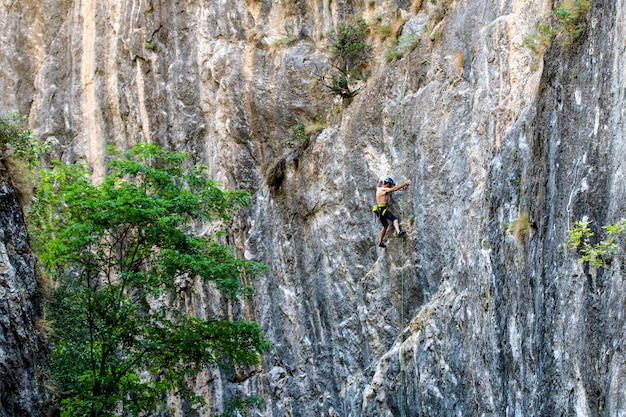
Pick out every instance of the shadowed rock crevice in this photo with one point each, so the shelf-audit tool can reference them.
(25, 389)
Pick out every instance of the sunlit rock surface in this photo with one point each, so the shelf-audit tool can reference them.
(461, 318)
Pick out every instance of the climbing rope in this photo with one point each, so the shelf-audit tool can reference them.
(398, 130)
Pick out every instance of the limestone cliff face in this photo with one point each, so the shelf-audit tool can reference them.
(459, 319)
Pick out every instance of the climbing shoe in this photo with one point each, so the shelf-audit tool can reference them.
(382, 245)
(402, 234)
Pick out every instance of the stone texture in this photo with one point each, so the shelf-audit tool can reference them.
(23, 351)
(461, 318)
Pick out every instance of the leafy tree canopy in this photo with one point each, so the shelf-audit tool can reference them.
(115, 250)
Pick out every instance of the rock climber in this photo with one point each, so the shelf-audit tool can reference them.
(384, 188)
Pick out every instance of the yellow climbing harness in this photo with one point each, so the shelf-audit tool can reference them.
(379, 209)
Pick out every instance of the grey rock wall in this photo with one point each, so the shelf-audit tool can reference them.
(459, 319)
(523, 328)
(24, 388)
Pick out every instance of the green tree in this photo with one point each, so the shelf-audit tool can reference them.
(348, 53)
(116, 250)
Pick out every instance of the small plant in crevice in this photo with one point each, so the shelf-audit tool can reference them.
(458, 62)
(298, 138)
(311, 127)
(514, 154)
(435, 19)
(19, 154)
(394, 46)
(302, 132)
(581, 236)
(383, 31)
(17, 142)
(520, 227)
(566, 22)
(348, 56)
(411, 42)
(541, 38)
(570, 16)
(285, 41)
(393, 52)
(44, 326)
(149, 45)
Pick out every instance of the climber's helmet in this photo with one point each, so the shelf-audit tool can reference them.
(389, 181)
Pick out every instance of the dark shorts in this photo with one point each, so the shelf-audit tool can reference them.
(386, 218)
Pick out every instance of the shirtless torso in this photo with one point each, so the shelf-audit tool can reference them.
(382, 195)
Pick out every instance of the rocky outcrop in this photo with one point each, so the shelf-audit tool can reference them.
(24, 388)
(463, 317)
